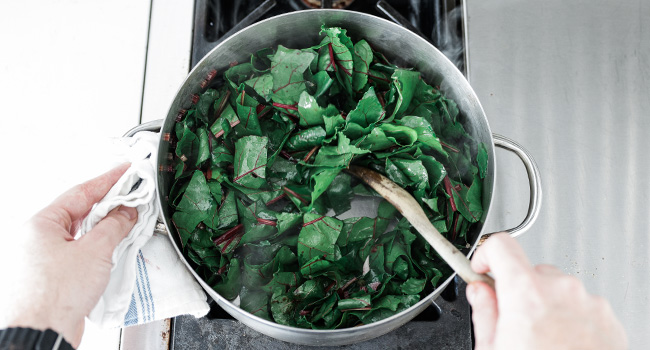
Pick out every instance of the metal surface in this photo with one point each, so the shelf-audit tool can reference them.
(150, 336)
(403, 48)
(153, 125)
(571, 80)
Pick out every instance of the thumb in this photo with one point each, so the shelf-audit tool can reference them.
(111, 230)
(485, 313)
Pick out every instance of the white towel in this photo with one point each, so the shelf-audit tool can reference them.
(148, 281)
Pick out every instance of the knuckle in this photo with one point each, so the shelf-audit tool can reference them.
(113, 221)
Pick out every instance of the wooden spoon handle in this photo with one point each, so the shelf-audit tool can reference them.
(411, 210)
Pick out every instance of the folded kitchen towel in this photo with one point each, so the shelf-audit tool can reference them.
(148, 281)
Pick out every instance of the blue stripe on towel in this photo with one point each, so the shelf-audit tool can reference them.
(143, 301)
(131, 316)
(146, 277)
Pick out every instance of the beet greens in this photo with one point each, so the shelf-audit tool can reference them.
(260, 181)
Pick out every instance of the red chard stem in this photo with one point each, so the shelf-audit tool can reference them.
(229, 234)
(448, 190)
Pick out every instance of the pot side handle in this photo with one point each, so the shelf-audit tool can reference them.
(154, 125)
(534, 180)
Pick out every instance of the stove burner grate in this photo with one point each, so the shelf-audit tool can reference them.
(215, 20)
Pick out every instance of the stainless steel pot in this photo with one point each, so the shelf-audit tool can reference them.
(402, 47)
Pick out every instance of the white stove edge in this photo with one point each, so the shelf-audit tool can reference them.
(167, 64)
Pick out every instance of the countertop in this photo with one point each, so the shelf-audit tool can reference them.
(71, 77)
(570, 81)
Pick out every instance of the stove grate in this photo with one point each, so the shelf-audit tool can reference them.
(216, 20)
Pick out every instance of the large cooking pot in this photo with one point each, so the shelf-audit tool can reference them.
(402, 47)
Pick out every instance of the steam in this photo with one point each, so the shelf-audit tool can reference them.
(449, 39)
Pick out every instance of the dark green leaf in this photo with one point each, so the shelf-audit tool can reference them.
(405, 83)
(413, 286)
(225, 122)
(287, 69)
(317, 238)
(362, 59)
(311, 114)
(424, 131)
(250, 161)
(255, 302)
(306, 139)
(342, 48)
(368, 111)
(231, 284)
(205, 102)
(238, 74)
(260, 60)
(323, 82)
(228, 211)
(263, 85)
(339, 193)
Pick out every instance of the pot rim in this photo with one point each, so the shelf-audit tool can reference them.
(431, 296)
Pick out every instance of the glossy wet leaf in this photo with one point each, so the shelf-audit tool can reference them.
(424, 131)
(225, 122)
(317, 238)
(287, 69)
(250, 161)
(306, 139)
(362, 59)
(368, 111)
(311, 114)
(405, 84)
(231, 284)
(263, 85)
(342, 47)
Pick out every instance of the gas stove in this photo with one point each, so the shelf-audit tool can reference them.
(438, 21)
(445, 324)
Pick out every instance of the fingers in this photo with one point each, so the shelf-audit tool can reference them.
(111, 230)
(76, 202)
(485, 313)
(503, 256)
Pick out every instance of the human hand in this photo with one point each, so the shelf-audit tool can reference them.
(58, 280)
(536, 307)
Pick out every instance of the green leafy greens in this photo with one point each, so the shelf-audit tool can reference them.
(260, 182)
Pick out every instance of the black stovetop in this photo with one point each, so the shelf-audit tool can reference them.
(446, 325)
(439, 21)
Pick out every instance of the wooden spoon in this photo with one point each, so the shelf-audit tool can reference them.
(411, 210)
